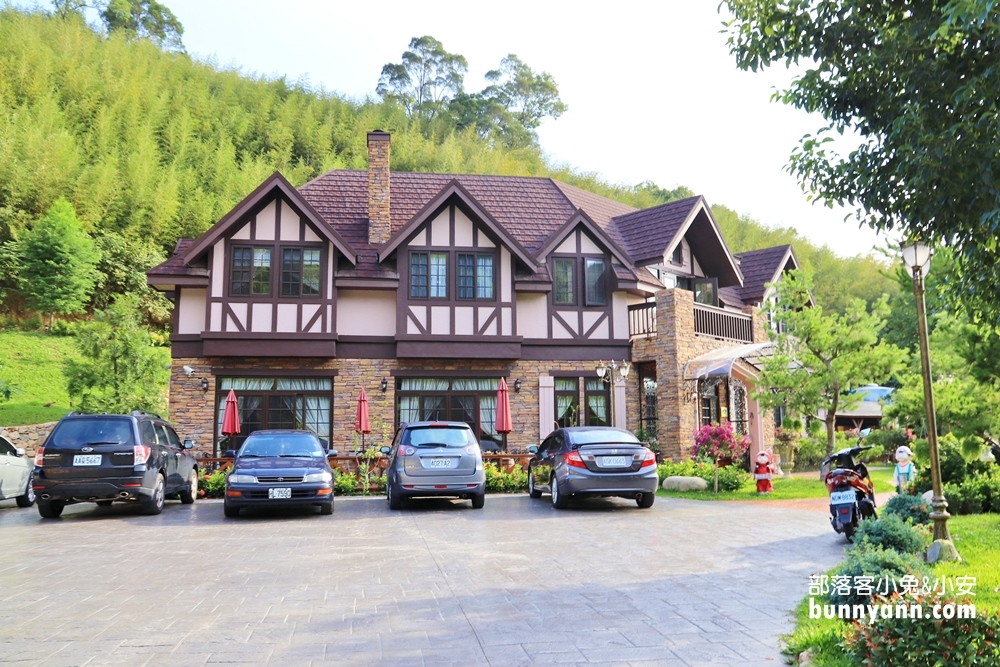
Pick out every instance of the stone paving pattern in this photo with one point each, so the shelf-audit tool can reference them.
(685, 583)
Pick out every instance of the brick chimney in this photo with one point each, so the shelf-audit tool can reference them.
(379, 226)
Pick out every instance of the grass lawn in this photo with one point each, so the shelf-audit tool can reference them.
(34, 362)
(785, 488)
(977, 537)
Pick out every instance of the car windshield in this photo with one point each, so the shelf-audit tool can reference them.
(438, 436)
(601, 437)
(81, 432)
(292, 444)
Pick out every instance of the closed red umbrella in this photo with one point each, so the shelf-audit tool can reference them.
(231, 417)
(503, 423)
(361, 424)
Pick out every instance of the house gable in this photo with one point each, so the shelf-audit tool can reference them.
(706, 246)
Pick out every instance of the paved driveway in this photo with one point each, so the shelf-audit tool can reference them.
(518, 583)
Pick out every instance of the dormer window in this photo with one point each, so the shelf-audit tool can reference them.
(250, 271)
(475, 276)
(564, 292)
(428, 275)
(678, 255)
(596, 288)
(300, 271)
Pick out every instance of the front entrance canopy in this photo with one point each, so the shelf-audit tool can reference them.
(719, 363)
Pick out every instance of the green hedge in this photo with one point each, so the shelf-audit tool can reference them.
(731, 478)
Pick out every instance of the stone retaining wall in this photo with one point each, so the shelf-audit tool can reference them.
(29, 436)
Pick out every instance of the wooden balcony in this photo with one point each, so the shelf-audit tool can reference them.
(723, 324)
(642, 320)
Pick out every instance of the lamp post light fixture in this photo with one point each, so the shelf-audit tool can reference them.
(204, 384)
(612, 372)
(917, 258)
(383, 385)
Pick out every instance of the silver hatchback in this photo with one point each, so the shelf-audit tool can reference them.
(435, 459)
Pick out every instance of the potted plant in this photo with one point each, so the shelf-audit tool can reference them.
(786, 443)
(718, 443)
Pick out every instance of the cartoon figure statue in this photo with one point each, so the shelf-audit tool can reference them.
(762, 472)
(905, 471)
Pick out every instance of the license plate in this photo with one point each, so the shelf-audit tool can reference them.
(841, 497)
(87, 460)
(440, 463)
(615, 461)
(279, 493)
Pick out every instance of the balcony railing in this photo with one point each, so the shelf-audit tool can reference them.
(642, 320)
(724, 324)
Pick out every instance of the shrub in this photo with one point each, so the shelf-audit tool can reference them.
(717, 441)
(926, 642)
(731, 478)
(500, 481)
(345, 483)
(212, 485)
(889, 531)
(63, 328)
(885, 567)
(910, 508)
(811, 453)
(954, 468)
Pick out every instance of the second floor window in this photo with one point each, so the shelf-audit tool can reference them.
(475, 276)
(564, 292)
(250, 272)
(595, 271)
(300, 271)
(428, 275)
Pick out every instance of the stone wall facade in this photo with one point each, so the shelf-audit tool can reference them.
(192, 410)
(28, 437)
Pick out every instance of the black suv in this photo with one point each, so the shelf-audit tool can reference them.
(101, 458)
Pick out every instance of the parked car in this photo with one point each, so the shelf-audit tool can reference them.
(102, 458)
(279, 468)
(435, 459)
(592, 461)
(15, 475)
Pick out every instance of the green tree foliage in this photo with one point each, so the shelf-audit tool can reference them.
(901, 323)
(58, 258)
(820, 356)
(426, 79)
(918, 83)
(121, 370)
(122, 270)
(143, 18)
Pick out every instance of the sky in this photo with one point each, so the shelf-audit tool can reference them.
(652, 91)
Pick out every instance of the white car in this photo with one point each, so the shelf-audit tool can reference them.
(15, 475)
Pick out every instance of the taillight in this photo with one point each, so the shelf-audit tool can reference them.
(406, 451)
(650, 459)
(141, 454)
(574, 459)
(39, 457)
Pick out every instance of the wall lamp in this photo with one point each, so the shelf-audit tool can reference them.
(204, 384)
(517, 386)
(384, 385)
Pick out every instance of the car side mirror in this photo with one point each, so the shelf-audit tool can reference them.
(332, 452)
(533, 449)
(229, 454)
(385, 450)
(19, 451)
(189, 444)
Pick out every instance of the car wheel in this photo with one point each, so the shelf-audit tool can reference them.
(187, 497)
(154, 504)
(326, 509)
(50, 509)
(559, 501)
(28, 498)
(395, 502)
(645, 501)
(230, 511)
(532, 491)
(104, 503)
(478, 501)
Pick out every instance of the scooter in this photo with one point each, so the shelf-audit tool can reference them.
(852, 493)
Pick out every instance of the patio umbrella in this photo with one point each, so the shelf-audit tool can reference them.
(231, 417)
(503, 423)
(361, 424)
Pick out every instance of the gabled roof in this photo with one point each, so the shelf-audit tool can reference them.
(275, 182)
(580, 218)
(649, 232)
(454, 189)
(764, 266)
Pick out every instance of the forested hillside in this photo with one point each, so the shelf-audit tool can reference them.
(149, 145)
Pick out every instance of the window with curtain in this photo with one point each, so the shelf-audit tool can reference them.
(475, 276)
(469, 400)
(300, 271)
(250, 271)
(596, 398)
(439, 275)
(567, 396)
(269, 402)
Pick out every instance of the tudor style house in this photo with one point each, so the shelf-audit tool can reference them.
(425, 289)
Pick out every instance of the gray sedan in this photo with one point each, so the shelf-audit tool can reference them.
(15, 475)
(592, 461)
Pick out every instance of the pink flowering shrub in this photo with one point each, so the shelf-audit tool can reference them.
(718, 441)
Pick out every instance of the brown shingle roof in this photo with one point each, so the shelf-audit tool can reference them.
(175, 266)
(759, 268)
(648, 233)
